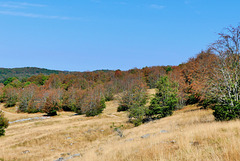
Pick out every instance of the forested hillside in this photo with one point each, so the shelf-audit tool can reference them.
(24, 72)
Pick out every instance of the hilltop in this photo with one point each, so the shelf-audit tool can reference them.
(25, 72)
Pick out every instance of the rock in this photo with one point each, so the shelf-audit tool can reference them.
(131, 139)
(60, 159)
(119, 132)
(76, 155)
(74, 115)
(26, 152)
(102, 130)
(163, 131)
(73, 156)
(29, 119)
(173, 141)
(89, 131)
(145, 136)
(195, 143)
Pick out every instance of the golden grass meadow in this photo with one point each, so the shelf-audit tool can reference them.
(189, 134)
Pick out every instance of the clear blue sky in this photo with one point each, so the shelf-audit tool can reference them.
(80, 35)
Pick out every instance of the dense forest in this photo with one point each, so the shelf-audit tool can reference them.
(211, 79)
(23, 73)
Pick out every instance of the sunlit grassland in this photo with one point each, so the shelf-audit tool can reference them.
(192, 134)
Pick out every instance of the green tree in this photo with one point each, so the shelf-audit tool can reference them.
(165, 100)
(137, 114)
(9, 80)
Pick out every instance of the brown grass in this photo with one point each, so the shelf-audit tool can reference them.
(192, 135)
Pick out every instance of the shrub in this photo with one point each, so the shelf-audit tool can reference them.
(26, 96)
(193, 99)
(53, 102)
(67, 101)
(224, 112)
(137, 115)
(209, 103)
(32, 99)
(2, 95)
(90, 102)
(75, 100)
(11, 95)
(99, 107)
(3, 123)
(109, 91)
(136, 96)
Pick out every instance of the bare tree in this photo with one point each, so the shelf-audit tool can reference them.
(226, 76)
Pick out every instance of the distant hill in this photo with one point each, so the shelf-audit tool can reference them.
(25, 72)
(103, 70)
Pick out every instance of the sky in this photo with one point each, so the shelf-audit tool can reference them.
(86, 35)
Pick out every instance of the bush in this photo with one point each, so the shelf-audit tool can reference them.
(53, 102)
(137, 115)
(11, 101)
(2, 95)
(136, 96)
(209, 103)
(32, 99)
(67, 104)
(26, 97)
(3, 123)
(193, 99)
(90, 102)
(109, 91)
(224, 112)
(11, 95)
(99, 107)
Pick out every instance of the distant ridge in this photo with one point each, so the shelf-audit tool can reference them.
(25, 72)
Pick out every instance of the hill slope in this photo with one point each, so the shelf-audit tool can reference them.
(190, 134)
(25, 72)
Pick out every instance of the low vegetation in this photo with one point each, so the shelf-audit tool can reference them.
(3, 123)
(189, 134)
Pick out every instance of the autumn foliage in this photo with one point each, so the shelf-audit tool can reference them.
(86, 92)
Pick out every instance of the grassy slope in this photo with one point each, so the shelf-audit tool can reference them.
(192, 135)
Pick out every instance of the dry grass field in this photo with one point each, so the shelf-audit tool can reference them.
(189, 134)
